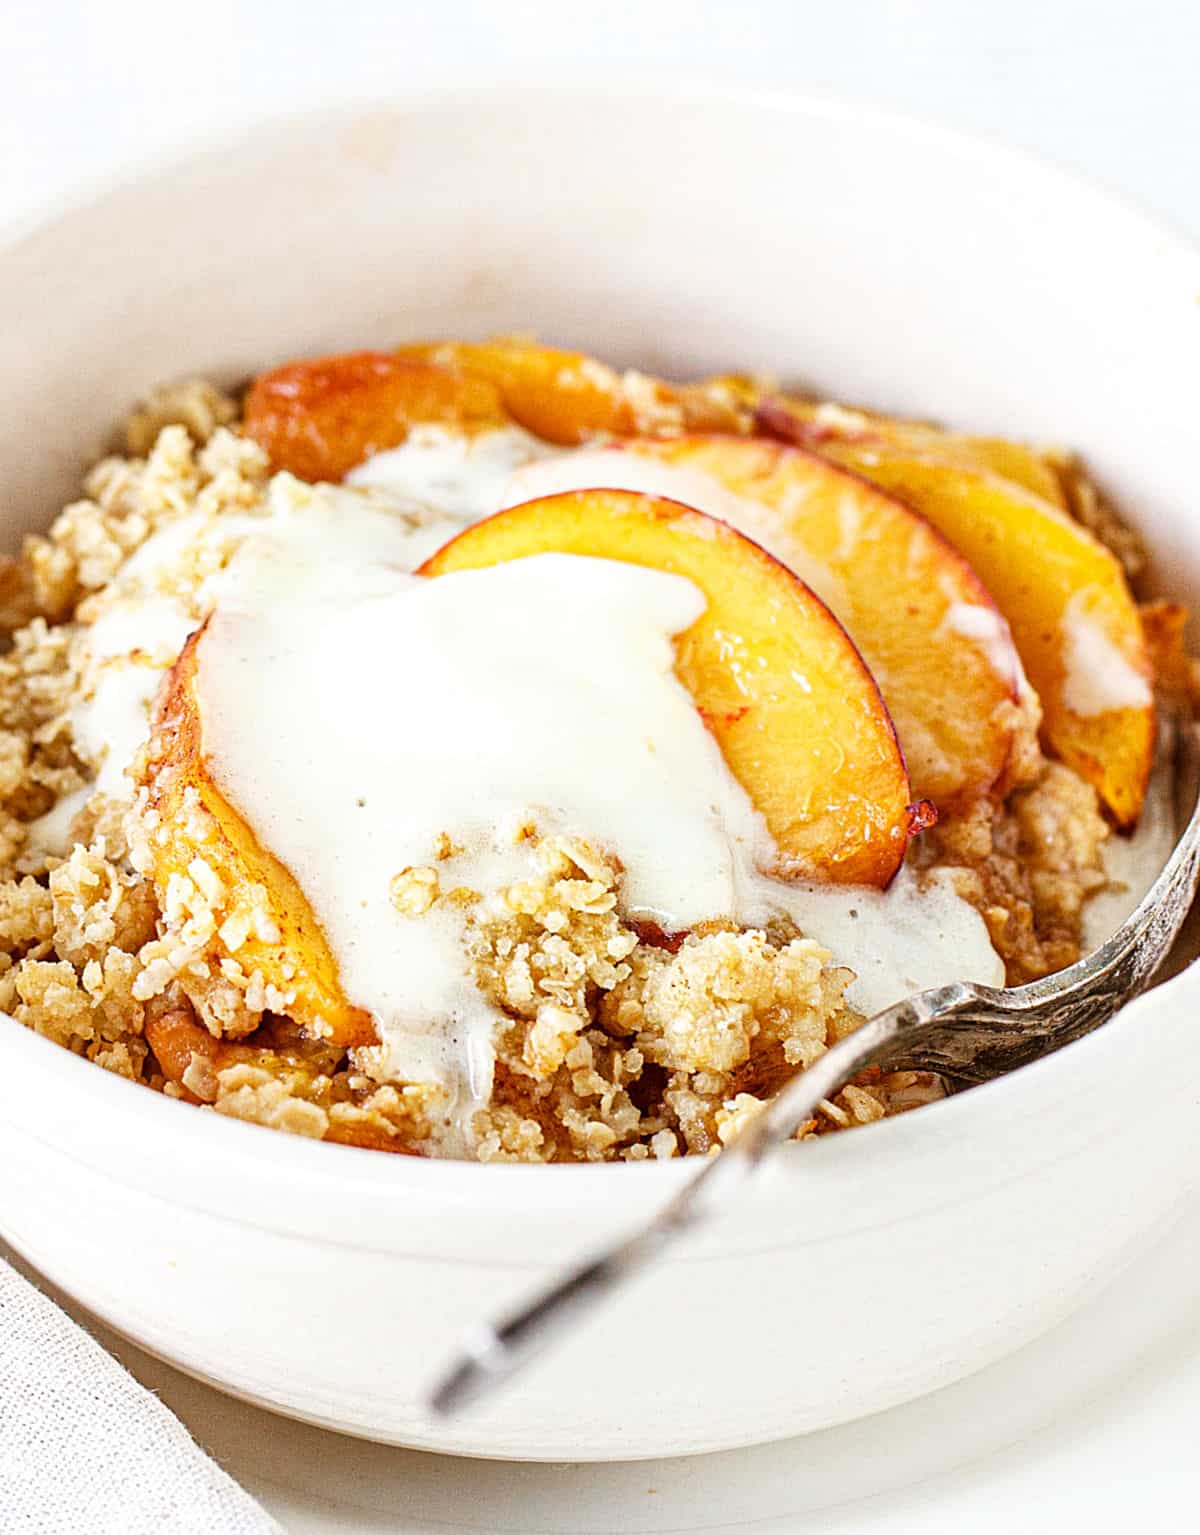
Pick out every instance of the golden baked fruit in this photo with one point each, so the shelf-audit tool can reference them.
(274, 930)
(911, 603)
(570, 398)
(819, 424)
(1067, 602)
(795, 711)
(318, 419)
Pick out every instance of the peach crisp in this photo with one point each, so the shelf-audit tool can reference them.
(471, 750)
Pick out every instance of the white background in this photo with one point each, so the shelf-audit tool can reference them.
(1111, 87)
(1094, 1431)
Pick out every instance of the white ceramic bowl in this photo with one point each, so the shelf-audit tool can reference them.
(690, 230)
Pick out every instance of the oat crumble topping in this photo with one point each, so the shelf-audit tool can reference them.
(614, 1045)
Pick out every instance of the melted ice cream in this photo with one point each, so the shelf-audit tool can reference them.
(353, 713)
(462, 477)
(620, 470)
(348, 705)
(1098, 676)
(148, 612)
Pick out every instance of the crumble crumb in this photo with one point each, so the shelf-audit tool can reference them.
(1027, 865)
(1088, 505)
(413, 891)
(193, 404)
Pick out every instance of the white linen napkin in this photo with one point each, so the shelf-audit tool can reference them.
(86, 1450)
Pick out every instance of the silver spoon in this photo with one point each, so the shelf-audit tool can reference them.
(965, 1032)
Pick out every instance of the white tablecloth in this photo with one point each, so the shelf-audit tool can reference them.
(86, 1450)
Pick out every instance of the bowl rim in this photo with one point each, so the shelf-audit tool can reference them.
(286, 1155)
(470, 90)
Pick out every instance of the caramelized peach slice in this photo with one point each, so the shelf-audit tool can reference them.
(277, 932)
(796, 713)
(1072, 615)
(175, 1037)
(911, 603)
(813, 424)
(320, 418)
(569, 398)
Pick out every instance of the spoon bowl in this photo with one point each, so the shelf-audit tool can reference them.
(968, 1033)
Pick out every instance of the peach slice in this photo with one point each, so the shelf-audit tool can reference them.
(793, 708)
(177, 1039)
(912, 604)
(569, 398)
(814, 424)
(320, 418)
(282, 939)
(1065, 596)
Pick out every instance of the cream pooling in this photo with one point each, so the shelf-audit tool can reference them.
(123, 655)
(147, 613)
(464, 478)
(616, 469)
(897, 941)
(351, 732)
(541, 687)
(621, 470)
(1098, 676)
